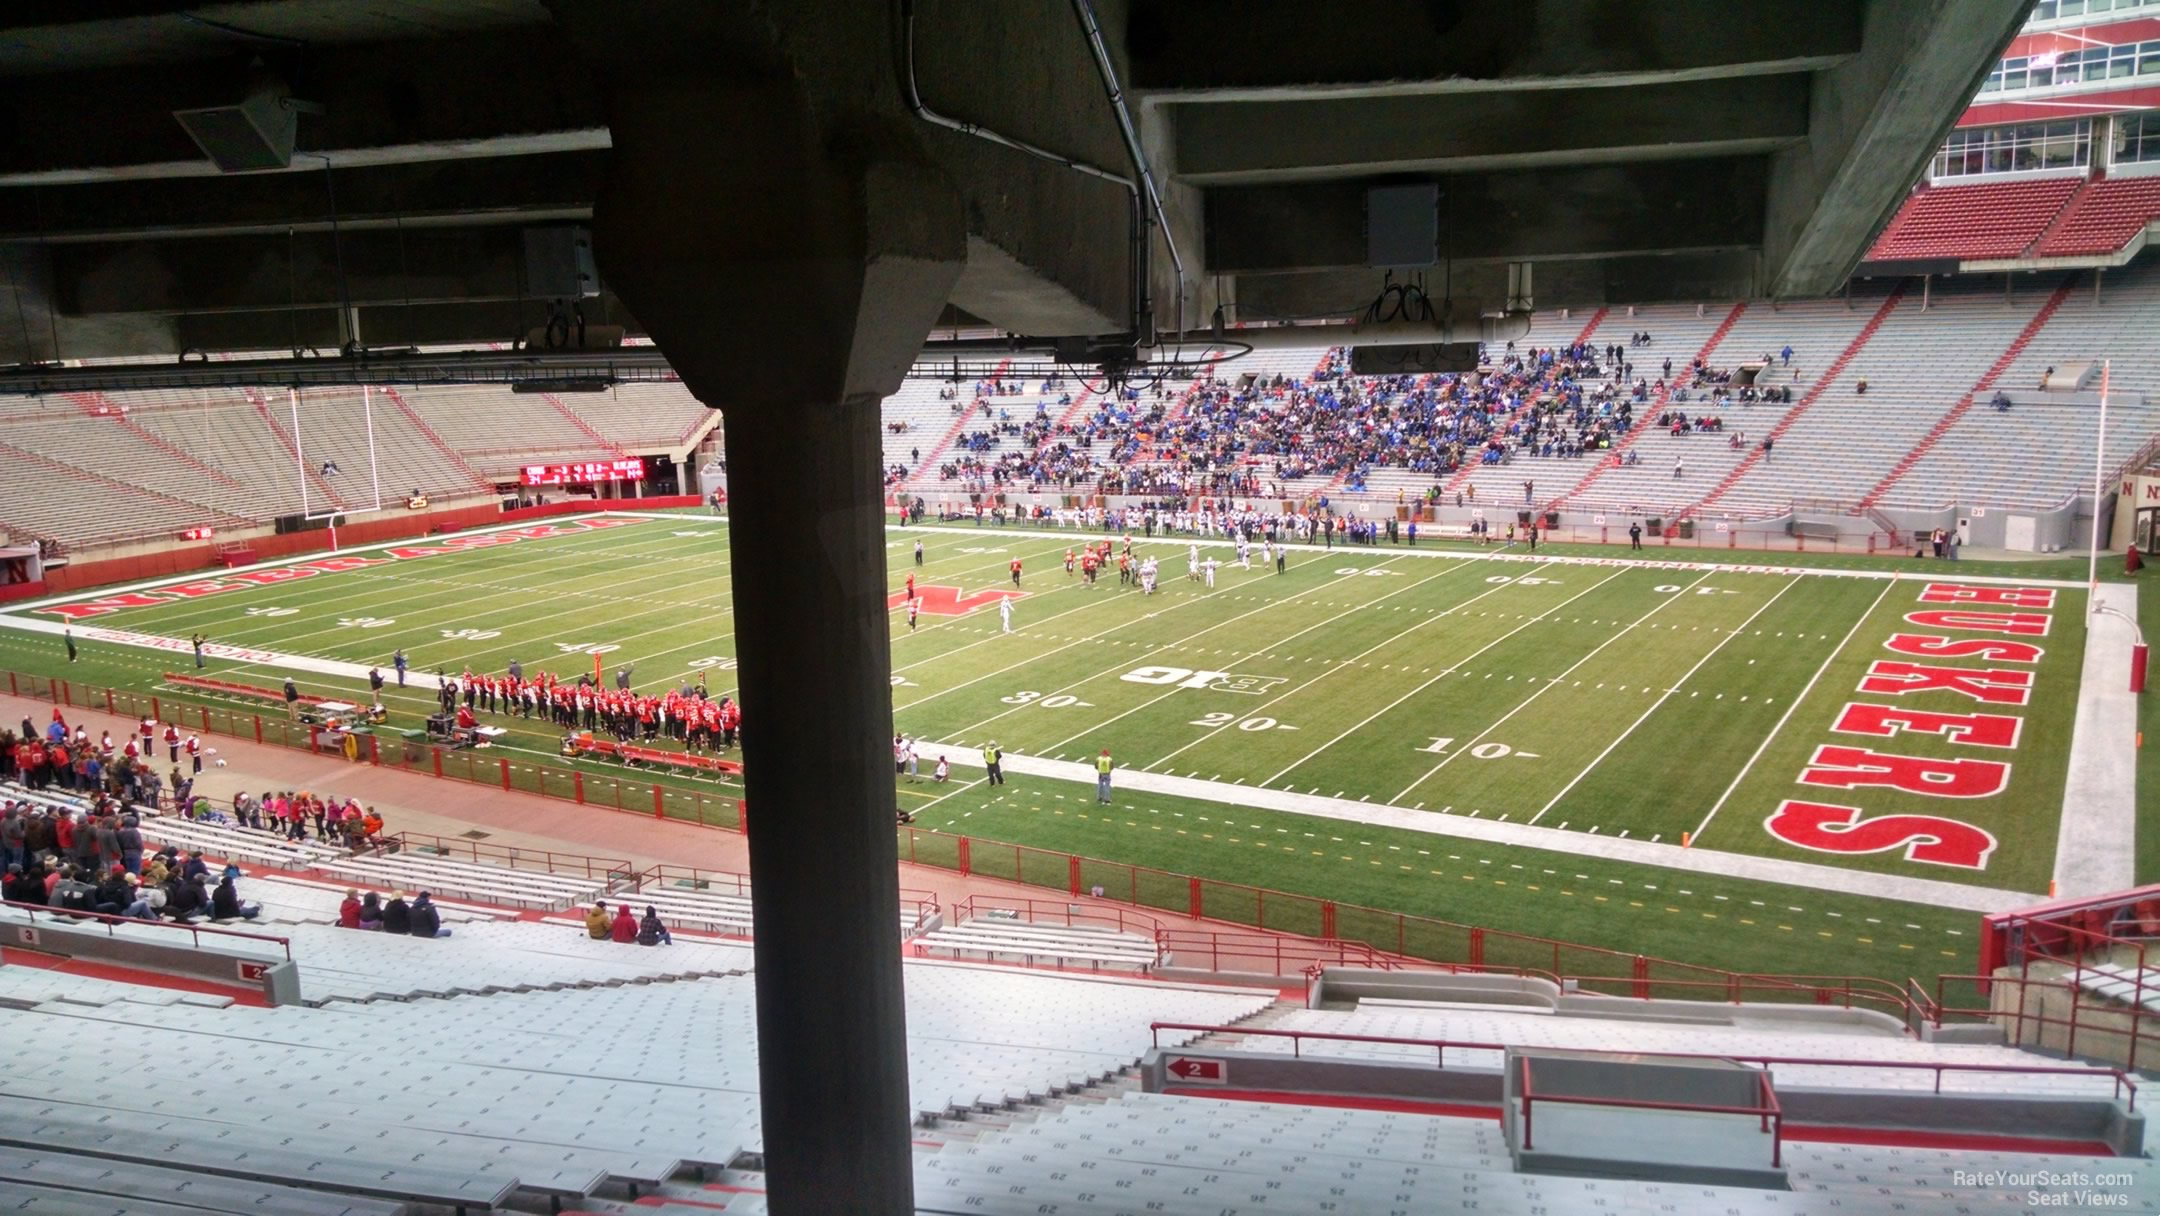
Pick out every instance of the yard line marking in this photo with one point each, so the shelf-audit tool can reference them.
(1264, 706)
(1525, 702)
(1809, 687)
(1170, 692)
(1615, 744)
(1177, 603)
(1443, 671)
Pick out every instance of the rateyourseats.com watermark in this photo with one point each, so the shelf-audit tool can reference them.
(2070, 1190)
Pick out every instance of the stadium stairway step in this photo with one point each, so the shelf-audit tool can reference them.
(1822, 384)
(915, 478)
(1964, 404)
(1647, 417)
(605, 444)
(262, 410)
(2068, 212)
(427, 432)
(1462, 474)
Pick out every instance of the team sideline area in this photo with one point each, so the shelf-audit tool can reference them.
(1063, 1057)
(1473, 731)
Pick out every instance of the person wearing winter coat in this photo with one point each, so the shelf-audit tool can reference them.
(426, 920)
(625, 928)
(651, 932)
(397, 915)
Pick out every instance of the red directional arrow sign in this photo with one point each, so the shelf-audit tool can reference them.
(1209, 1072)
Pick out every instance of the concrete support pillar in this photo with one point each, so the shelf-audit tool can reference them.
(810, 610)
(682, 477)
(790, 259)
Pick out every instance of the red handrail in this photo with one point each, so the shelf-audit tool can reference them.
(110, 921)
(613, 871)
(1766, 1111)
(2122, 1079)
(1064, 911)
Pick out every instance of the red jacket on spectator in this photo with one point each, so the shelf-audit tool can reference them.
(625, 927)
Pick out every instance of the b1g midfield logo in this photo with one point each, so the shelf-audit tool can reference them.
(1213, 681)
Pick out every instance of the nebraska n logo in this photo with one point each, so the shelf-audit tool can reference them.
(947, 601)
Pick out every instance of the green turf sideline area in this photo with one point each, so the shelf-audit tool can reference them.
(1592, 695)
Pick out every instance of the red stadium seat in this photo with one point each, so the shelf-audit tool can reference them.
(1994, 220)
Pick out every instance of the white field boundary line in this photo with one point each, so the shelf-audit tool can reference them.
(418, 637)
(1790, 710)
(1214, 731)
(1811, 875)
(1384, 710)
(487, 606)
(1663, 697)
(215, 612)
(1500, 555)
(1035, 625)
(2099, 808)
(1181, 602)
(1170, 692)
(301, 559)
(216, 609)
(703, 642)
(1549, 685)
(1154, 651)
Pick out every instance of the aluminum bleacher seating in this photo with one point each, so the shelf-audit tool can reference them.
(552, 1094)
(712, 909)
(1740, 1041)
(482, 883)
(640, 415)
(1159, 1153)
(1916, 365)
(997, 939)
(1991, 220)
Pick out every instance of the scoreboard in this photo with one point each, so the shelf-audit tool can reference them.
(582, 473)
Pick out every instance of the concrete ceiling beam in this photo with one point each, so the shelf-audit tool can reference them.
(1480, 288)
(1282, 141)
(1526, 215)
(1875, 121)
(1230, 50)
(246, 274)
(507, 92)
(505, 190)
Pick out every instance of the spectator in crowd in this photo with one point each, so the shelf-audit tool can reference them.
(186, 900)
(397, 914)
(371, 912)
(426, 921)
(225, 902)
(651, 932)
(114, 893)
(625, 927)
(20, 888)
(348, 913)
(596, 921)
(131, 845)
(150, 899)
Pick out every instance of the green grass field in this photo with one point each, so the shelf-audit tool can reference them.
(1640, 701)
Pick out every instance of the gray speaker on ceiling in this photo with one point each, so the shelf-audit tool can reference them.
(255, 134)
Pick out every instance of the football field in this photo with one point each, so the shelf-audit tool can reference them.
(1915, 726)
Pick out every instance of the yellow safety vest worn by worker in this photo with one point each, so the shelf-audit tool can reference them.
(992, 755)
(1102, 765)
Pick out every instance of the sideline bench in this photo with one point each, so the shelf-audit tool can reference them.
(585, 744)
(230, 689)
